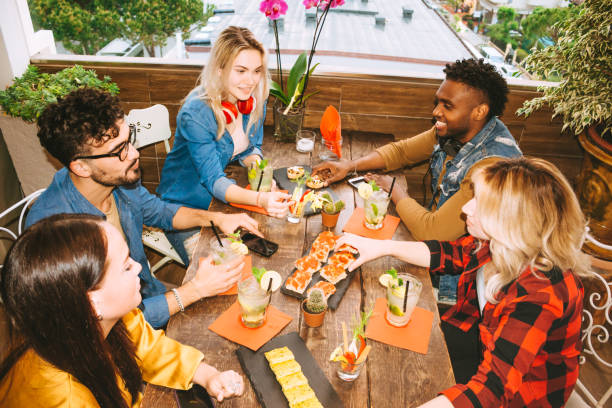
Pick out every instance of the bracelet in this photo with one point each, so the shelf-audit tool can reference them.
(178, 299)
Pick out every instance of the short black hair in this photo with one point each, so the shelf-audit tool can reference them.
(82, 118)
(484, 77)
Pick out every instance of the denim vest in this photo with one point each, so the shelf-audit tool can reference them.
(494, 139)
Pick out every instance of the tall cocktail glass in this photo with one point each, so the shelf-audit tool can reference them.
(255, 174)
(253, 302)
(375, 209)
(222, 254)
(396, 315)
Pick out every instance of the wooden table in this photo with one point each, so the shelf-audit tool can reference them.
(393, 377)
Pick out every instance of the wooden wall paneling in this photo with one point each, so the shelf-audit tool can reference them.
(388, 98)
(546, 140)
(171, 87)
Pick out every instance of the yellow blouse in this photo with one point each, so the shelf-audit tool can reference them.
(33, 382)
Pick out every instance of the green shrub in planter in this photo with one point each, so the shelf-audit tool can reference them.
(33, 91)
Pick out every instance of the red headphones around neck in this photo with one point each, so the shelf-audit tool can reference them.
(231, 111)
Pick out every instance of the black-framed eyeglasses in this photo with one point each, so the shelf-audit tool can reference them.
(122, 149)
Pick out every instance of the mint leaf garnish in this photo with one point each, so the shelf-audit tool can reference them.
(392, 272)
(258, 273)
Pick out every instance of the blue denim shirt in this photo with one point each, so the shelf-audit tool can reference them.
(194, 170)
(494, 139)
(137, 207)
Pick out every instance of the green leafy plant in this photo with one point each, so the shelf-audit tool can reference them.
(295, 85)
(33, 91)
(330, 206)
(582, 57)
(316, 302)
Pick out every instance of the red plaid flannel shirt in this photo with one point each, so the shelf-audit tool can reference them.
(530, 339)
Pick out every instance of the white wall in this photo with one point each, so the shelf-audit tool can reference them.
(18, 41)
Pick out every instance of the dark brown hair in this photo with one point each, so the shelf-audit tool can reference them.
(45, 280)
(81, 119)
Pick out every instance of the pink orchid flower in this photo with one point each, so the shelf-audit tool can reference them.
(273, 9)
(310, 3)
(334, 3)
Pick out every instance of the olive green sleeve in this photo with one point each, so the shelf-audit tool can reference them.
(408, 151)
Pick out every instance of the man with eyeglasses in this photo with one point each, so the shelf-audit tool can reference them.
(86, 131)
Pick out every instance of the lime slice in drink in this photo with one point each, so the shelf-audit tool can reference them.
(365, 190)
(399, 291)
(384, 279)
(239, 248)
(396, 310)
(270, 276)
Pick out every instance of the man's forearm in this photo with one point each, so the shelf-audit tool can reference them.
(187, 217)
(371, 161)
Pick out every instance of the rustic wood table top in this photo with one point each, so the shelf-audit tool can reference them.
(393, 377)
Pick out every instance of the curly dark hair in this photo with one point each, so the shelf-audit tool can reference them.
(81, 119)
(484, 77)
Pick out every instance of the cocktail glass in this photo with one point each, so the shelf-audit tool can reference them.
(222, 254)
(255, 174)
(296, 210)
(375, 209)
(349, 371)
(396, 314)
(253, 302)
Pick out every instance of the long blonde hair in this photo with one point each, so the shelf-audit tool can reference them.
(211, 85)
(532, 216)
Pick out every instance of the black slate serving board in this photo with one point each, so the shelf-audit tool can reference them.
(268, 390)
(283, 183)
(334, 300)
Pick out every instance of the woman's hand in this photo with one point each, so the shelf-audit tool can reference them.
(226, 384)
(220, 385)
(213, 279)
(369, 249)
(275, 203)
(384, 182)
(229, 223)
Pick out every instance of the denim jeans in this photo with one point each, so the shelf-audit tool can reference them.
(448, 288)
(177, 238)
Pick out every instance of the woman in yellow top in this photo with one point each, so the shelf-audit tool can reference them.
(71, 293)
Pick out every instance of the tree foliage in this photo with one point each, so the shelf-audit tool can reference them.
(506, 22)
(85, 26)
(582, 57)
(542, 22)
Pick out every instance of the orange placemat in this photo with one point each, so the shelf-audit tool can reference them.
(228, 325)
(355, 226)
(253, 208)
(414, 336)
(246, 272)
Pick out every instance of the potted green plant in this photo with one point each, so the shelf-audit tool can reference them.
(581, 59)
(314, 308)
(330, 210)
(22, 103)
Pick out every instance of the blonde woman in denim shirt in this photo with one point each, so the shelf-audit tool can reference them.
(206, 142)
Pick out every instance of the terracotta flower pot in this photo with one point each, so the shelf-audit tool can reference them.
(312, 319)
(329, 220)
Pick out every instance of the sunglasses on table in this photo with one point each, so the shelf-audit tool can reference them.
(121, 150)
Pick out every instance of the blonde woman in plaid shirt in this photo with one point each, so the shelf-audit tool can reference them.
(519, 286)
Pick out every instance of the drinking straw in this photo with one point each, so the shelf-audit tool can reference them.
(269, 285)
(212, 224)
(391, 189)
(407, 283)
(260, 179)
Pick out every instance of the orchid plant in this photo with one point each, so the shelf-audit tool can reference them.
(294, 95)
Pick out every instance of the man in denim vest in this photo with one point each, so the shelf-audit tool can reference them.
(86, 131)
(466, 135)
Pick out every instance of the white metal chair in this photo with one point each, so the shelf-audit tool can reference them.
(594, 334)
(153, 126)
(24, 204)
